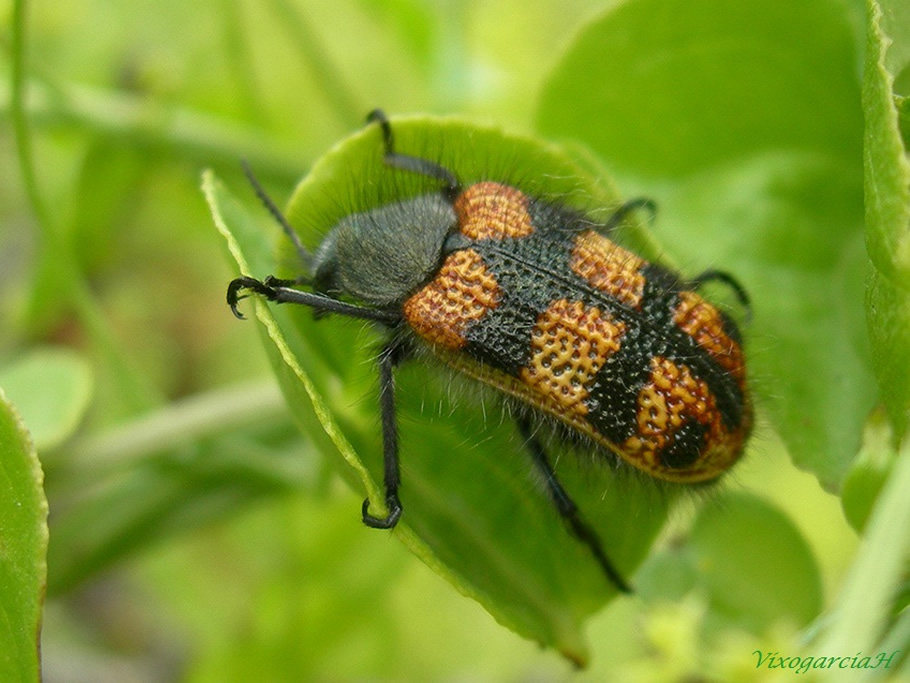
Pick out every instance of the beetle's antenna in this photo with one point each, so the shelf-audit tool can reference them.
(451, 187)
(302, 251)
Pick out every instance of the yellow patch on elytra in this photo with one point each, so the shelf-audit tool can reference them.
(569, 344)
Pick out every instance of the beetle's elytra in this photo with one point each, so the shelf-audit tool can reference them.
(534, 299)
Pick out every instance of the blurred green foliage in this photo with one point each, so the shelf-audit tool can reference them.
(196, 533)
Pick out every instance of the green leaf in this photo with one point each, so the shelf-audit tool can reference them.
(743, 121)
(904, 118)
(887, 176)
(51, 416)
(668, 87)
(474, 511)
(23, 548)
(719, 560)
(727, 538)
(869, 472)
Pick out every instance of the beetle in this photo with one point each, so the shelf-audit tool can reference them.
(618, 355)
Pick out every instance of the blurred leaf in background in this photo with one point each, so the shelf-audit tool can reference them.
(196, 533)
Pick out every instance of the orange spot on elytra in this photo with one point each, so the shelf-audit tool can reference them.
(608, 267)
(490, 210)
(462, 292)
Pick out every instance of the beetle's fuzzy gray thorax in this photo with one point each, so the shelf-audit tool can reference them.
(382, 256)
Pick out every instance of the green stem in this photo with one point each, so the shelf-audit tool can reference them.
(18, 114)
(55, 246)
(136, 120)
(184, 421)
(861, 615)
(899, 639)
(237, 51)
(132, 120)
(332, 83)
(54, 243)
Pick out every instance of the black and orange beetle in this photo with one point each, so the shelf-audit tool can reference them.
(534, 299)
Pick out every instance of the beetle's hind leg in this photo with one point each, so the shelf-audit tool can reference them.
(450, 185)
(390, 357)
(720, 276)
(567, 508)
(625, 209)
